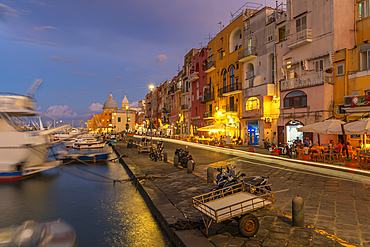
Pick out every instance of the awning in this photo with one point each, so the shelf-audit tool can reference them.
(332, 126)
(217, 126)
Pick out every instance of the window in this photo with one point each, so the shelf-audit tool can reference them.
(300, 24)
(119, 119)
(232, 78)
(272, 68)
(363, 9)
(224, 78)
(367, 91)
(128, 119)
(319, 65)
(340, 69)
(253, 103)
(222, 54)
(295, 99)
(270, 31)
(365, 60)
(282, 33)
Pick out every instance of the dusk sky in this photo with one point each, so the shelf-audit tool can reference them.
(86, 49)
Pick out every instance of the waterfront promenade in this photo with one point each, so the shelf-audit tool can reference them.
(336, 202)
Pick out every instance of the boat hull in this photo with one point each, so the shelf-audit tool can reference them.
(28, 171)
(100, 157)
(88, 145)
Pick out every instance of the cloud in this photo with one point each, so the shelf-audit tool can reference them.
(161, 58)
(61, 95)
(96, 107)
(65, 59)
(6, 10)
(33, 41)
(80, 73)
(113, 82)
(42, 29)
(117, 91)
(59, 111)
(83, 92)
(37, 2)
(119, 77)
(134, 104)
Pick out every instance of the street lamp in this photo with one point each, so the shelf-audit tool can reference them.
(151, 117)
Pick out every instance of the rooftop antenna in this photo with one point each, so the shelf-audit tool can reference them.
(220, 23)
(209, 37)
(200, 44)
(34, 86)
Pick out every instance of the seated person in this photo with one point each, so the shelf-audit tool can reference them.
(338, 147)
(305, 149)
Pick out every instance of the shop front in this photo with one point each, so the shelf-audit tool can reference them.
(291, 129)
(252, 132)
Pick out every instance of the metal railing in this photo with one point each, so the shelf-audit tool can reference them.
(308, 80)
(208, 96)
(230, 88)
(248, 51)
(184, 107)
(299, 37)
(207, 114)
(210, 64)
(230, 108)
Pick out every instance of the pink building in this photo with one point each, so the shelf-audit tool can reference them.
(198, 79)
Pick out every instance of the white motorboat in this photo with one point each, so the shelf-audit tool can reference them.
(84, 141)
(23, 153)
(66, 134)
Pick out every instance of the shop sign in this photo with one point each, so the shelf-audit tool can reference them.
(357, 101)
(294, 122)
(355, 136)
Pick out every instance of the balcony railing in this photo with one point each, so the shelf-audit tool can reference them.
(308, 80)
(184, 107)
(247, 54)
(185, 90)
(210, 66)
(207, 114)
(193, 76)
(299, 38)
(230, 89)
(208, 96)
(230, 108)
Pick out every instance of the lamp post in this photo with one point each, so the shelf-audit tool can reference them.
(151, 117)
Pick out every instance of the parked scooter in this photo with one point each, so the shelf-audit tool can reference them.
(227, 177)
(257, 183)
(184, 156)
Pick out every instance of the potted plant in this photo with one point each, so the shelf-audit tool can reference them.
(329, 70)
(350, 163)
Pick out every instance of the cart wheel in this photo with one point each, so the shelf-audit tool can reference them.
(248, 225)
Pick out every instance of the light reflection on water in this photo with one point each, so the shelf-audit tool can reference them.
(101, 214)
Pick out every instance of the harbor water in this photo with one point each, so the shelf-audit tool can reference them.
(102, 214)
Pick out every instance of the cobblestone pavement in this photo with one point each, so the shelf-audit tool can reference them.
(336, 203)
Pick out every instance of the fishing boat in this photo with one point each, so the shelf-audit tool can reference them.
(67, 134)
(83, 142)
(83, 157)
(30, 233)
(22, 153)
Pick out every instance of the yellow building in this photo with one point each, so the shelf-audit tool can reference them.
(224, 77)
(113, 119)
(352, 72)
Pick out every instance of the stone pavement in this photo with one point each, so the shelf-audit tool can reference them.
(336, 204)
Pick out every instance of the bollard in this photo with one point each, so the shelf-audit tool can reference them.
(175, 160)
(165, 157)
(189, 166)
(210, 175)
(298, 211)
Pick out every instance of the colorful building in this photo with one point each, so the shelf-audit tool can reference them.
(352, 72)
(313, 31)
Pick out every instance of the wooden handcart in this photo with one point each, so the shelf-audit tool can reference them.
(234, 202)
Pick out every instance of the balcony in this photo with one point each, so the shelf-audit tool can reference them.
(247, 54)
(184, 107)
(308, 80)
(210, 66)
(208, 96)
(230, 89)
(230, 108)
(185, 90)
(299, 38)
(262, 89)
(193, 76)
(207, 114)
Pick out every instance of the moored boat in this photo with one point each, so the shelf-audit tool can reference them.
(30, 233)
(23, 153)
(88, 142)
(83, 157)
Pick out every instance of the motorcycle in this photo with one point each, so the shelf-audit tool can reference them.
(257, 183)
(184, 157)
(157, 153)
(267, 144)
(227, 178)
(153, 155)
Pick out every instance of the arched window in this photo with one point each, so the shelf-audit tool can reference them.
(253, 103)
(250, 71)
(295, 99)
(232, 77)
(224, 78)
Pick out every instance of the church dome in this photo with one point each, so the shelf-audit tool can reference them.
(110, 104)
(125, 100)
